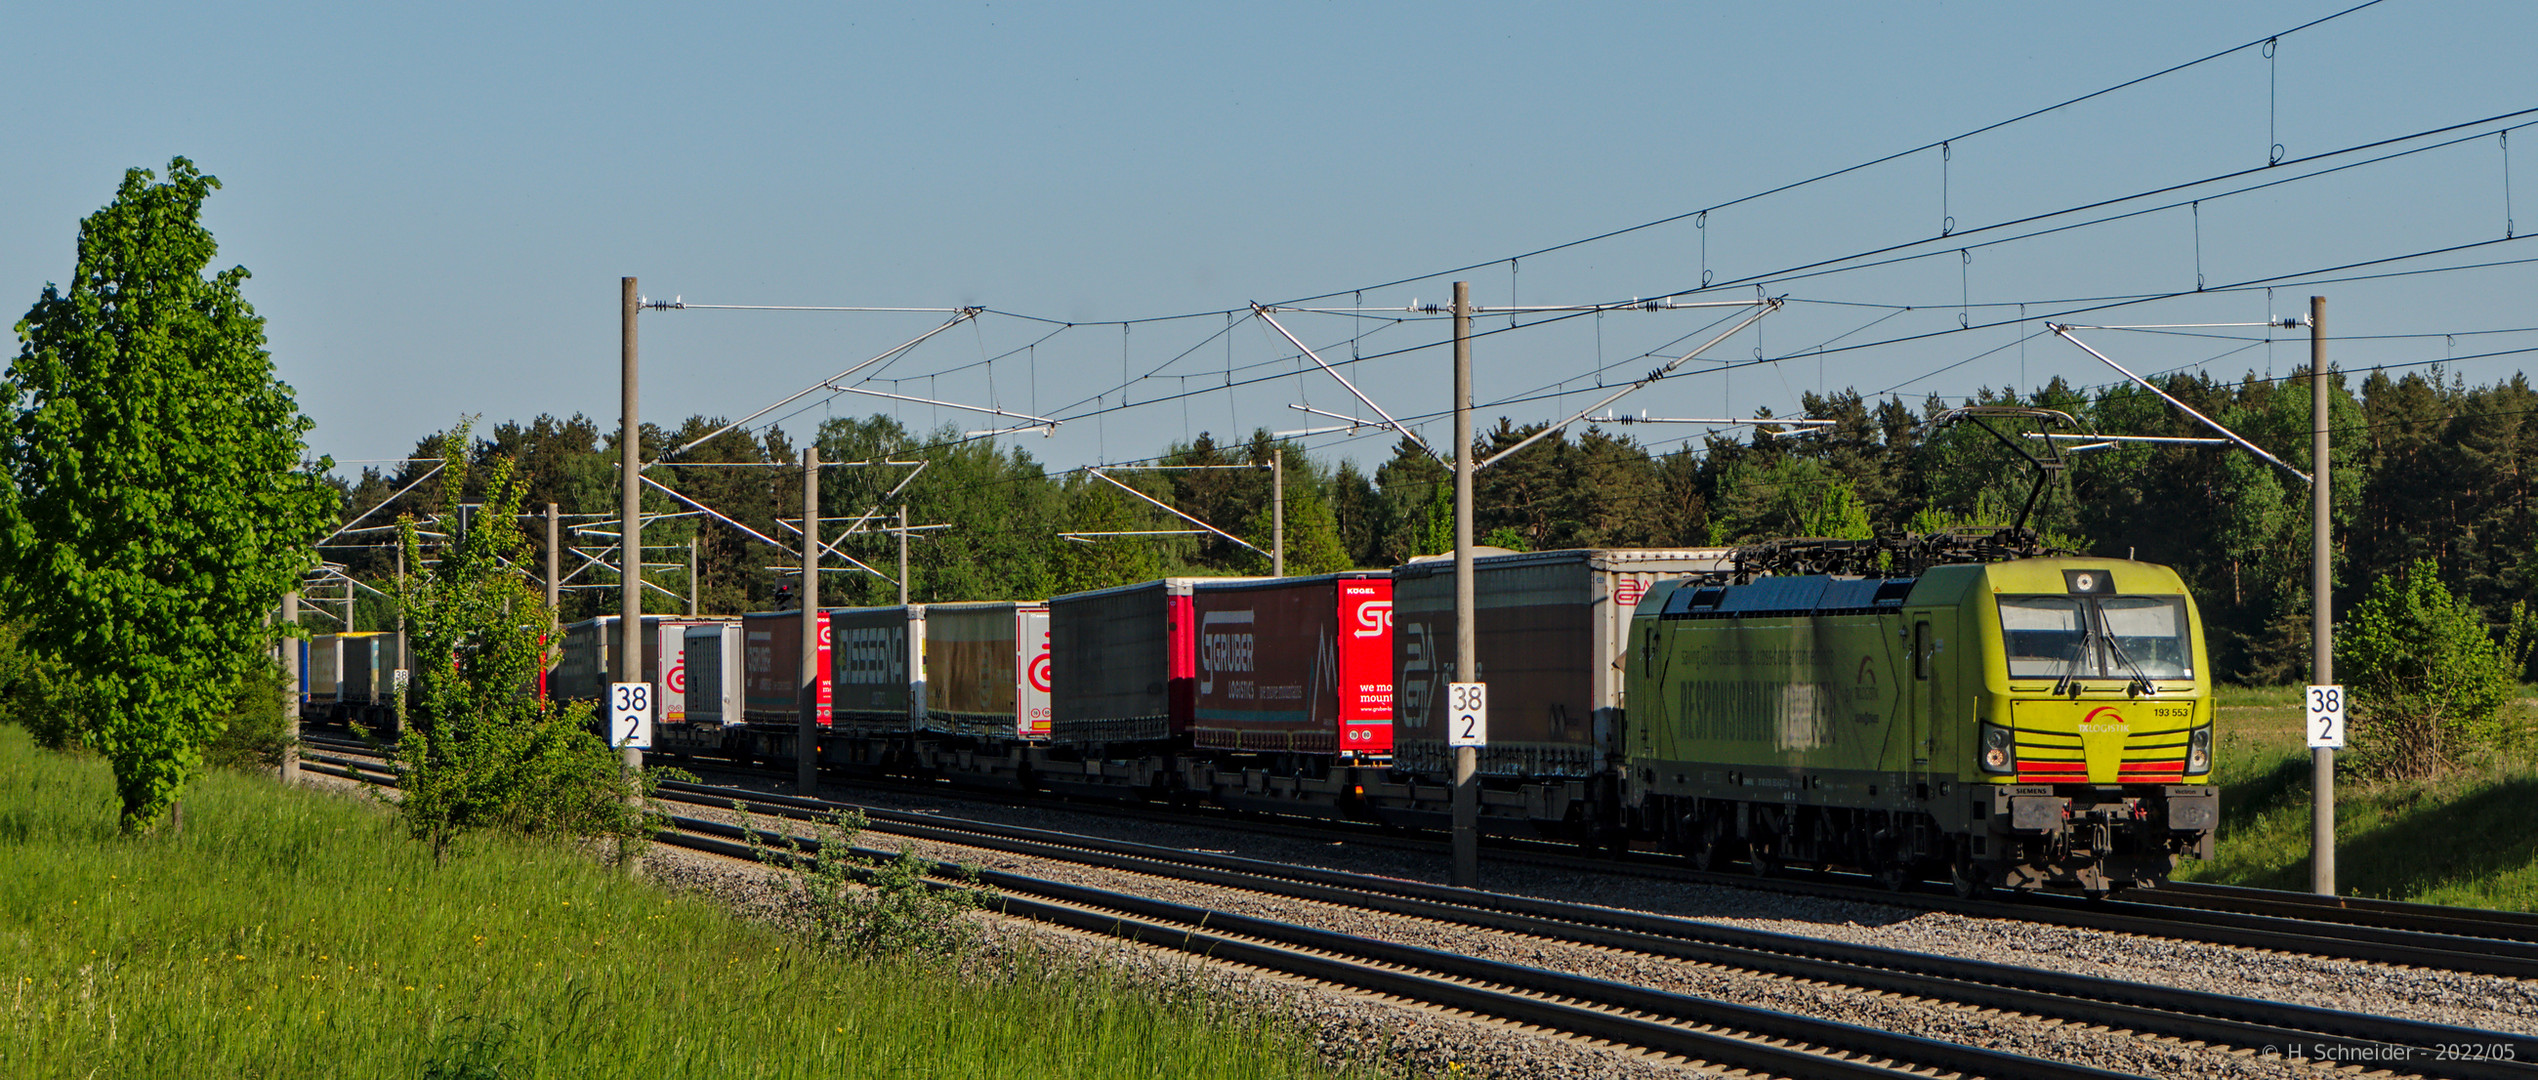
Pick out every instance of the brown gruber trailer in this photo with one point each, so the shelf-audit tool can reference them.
(1300, 666)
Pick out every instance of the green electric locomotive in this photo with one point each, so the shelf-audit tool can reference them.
(2034, 723)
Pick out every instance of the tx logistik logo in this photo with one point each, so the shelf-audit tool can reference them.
(2104, 718)
(1223, 651)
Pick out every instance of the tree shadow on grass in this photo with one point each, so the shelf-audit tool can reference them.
(2434, 844)
(2243, 803)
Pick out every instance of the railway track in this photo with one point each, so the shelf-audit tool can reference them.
(2345, 928)
(1647, 1018)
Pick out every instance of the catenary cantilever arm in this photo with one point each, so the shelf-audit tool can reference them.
(1343, 381)
(2146, 384)
(1175, 513)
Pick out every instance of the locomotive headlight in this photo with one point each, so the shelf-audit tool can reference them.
(1999, 752)
(2199, 751)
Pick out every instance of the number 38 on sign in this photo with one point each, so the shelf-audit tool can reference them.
(1467, 714)
(630, 715)
(2326, 716)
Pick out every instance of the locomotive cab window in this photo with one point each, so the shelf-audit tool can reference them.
(2096, 637)
(2151, 632)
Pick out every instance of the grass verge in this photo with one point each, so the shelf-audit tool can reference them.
(296, 934)
(2469, 839)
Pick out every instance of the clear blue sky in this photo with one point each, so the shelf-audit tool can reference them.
(437, 201)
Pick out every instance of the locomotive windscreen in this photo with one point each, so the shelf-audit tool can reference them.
(2091, 637)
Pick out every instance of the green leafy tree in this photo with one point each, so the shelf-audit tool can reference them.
(2429, 683)
(1313, 528)
(479, 751)
(156, 507)
(1101, 562)
(1788, 496)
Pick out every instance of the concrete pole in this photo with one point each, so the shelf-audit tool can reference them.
(629, 666)
(291, 689)
(806, 731)
(693, 590)
(1466, 635)
(401, 659)
(554, 590)
(554, 562)
(1278, 512)
(2321, 604)
(903, 554)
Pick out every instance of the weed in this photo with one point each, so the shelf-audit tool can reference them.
(869, 905)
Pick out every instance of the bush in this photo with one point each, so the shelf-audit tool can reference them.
(34, 695)
(2429, 684)
(873, 907)
(477, 750)
(254, 731)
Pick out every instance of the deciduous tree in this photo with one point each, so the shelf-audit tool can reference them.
(156, 507)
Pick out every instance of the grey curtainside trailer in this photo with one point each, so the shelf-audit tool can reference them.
(1551, 632)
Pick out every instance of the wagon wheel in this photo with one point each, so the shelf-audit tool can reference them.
(1895, 875)
(1760, 859)
(1705, 854)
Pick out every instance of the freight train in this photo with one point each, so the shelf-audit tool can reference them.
(1979, 713)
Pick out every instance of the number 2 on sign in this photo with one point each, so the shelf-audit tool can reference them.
(2326, 716)
(630, 714)
(1467, 714)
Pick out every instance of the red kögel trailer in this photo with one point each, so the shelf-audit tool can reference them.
(1297, 665)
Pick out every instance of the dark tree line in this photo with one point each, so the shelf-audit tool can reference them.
(2426, 467)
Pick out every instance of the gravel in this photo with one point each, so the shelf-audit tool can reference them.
(1410, 1036)
(1347, 1027)
(2464, 1000)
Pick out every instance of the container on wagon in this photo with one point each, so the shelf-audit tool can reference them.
(771, 651)
(877, 682)
(321, 668)
(1551, 630)
(362, 668)
(1125, 663)
(987, 670)
(1295, 665)
(714, 674)
(590, 662)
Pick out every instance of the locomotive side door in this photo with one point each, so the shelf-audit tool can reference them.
(1934, 678)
